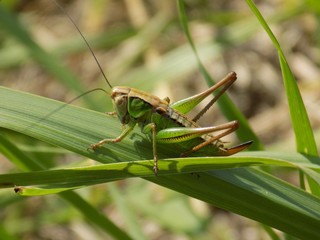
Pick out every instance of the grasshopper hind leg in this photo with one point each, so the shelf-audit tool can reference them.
(226, 129)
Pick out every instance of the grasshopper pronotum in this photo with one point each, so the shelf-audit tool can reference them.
(166, 122)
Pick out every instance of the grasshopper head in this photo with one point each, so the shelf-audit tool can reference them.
(119, 96)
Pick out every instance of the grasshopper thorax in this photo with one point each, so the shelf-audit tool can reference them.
(131, 104)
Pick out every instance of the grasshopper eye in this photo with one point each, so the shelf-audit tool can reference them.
(120, 101)
(120, 106)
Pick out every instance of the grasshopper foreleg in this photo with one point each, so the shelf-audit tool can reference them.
(124, 133)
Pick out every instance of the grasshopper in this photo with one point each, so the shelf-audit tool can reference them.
(167, 122)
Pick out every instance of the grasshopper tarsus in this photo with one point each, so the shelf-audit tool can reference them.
(103, 142)
(111, 114)
(153, 127)
(155, 168)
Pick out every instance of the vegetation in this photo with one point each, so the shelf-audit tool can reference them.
(157, 47)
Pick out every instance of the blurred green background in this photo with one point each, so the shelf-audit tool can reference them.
(141, 44)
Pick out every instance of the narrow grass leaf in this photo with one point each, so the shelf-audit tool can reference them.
(229, 110)
(58, 180)
(304, 135)
(305, 142)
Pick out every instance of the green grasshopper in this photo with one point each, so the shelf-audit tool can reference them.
(167, 123)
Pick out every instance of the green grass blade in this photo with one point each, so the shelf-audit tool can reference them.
(301, 125)
(228, 108)
(305, 141)
(57, 180)
(271, 232)
(237, 190)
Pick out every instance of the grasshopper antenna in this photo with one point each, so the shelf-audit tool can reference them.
(63, 106)
(85, 93)
(86, 42)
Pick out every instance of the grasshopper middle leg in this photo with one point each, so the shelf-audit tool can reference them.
(152, 127)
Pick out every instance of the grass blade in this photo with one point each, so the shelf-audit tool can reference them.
(305, 142)
(301, 125)
(57, 180)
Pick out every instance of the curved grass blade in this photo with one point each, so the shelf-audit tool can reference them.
(305, 142)
(229, 110)
(301, 125)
